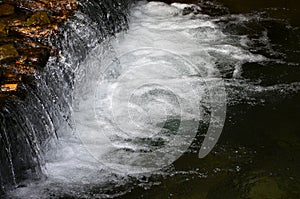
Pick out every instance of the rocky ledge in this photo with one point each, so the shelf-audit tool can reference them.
(26, 31)
(178, 1)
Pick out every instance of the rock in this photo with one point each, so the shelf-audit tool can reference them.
(62, 4)
(38, 18)
(1, 76)
(38, 5)
(25, 33)
(16, 22)
(6, 9)
(11, 78)
(36, 33)
(9, 87)
(191, 9)
(61, 15)
(3, 30)
(16, 69)
(36, 57)
(10, 40)
(178, 1)
(8, 52)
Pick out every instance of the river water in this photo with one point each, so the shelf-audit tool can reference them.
(195, 76)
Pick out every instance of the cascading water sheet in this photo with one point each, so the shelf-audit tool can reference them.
(163, 70)
(139, 99)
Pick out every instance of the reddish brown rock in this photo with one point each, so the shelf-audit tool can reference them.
(9, 87)
(8, 52)
(36, 32)
(16, 69)
(3, 30)
(25, 29)
(53, 5)
(38, 18)
(36, 57)
(6, 9)
(178, 1)
(12, 78)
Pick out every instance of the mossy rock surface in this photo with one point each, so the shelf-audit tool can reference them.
(38, 18)
(7, 52)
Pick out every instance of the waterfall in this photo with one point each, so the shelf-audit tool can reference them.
(104, 116)
(30, 123)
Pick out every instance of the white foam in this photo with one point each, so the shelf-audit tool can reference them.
(164, 60)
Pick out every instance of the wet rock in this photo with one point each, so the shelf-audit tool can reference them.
(38, 32)
(19, 70)
(37, 57)
(37, 5)
(16, 22)
(62, 4)
(8, 52)
(38, 18)
(3, 30)
(26, 30)
(177, 1)
(1, 76)
(61, 16)
(11, 40)
(6, 9)
(191, 9)
(11, 78)
(9, 87)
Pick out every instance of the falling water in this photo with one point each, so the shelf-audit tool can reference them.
(110, 101)
(31, 123)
